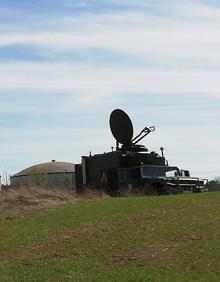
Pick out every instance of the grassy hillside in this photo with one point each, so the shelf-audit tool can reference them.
(167, 238)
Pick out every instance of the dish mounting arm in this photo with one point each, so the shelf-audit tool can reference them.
(143, 134)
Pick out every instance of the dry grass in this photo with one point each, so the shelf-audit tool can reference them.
(91, 193)
(38, 196)
(33, 196)
(17, 202)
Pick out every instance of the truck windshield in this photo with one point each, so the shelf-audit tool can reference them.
(159, 171)
(171, 173)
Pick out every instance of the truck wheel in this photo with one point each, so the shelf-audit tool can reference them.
(159, 188)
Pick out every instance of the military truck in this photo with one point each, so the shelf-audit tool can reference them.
(131, 166)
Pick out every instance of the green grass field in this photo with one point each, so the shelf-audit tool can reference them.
(166, 238)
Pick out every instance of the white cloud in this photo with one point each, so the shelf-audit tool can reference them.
(87, 83)
(192, 33)
(175, 53)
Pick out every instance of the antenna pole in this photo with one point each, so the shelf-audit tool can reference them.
(162, 149)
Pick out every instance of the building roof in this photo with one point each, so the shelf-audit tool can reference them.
(50, 167)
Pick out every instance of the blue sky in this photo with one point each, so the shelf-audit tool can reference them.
(65, 65)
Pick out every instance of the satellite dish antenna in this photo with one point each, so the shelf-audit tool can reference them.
(122, 130)
(121, 127)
